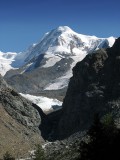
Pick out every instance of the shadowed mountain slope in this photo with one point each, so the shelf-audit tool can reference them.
(94, 88)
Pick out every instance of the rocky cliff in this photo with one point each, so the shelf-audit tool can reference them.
(19, 122)
(94, 88)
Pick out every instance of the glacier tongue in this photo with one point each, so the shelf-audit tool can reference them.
(46, 104)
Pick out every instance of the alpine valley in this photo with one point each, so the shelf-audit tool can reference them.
(50, 93)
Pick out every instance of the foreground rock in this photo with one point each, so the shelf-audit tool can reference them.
(19, 122)
(67, 149)
(94, 88)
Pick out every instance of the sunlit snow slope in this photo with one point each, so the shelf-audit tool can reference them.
(62, 42)
(6, 59)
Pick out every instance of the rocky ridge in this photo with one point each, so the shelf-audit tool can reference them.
(19, 122)
(94, 88)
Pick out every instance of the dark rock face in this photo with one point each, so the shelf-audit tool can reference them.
(3, 84)
(94, 88)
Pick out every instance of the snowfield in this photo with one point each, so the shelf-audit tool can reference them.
(63, 81)
(46, 104)
(6, 60)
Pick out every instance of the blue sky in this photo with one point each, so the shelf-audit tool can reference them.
(23, 22)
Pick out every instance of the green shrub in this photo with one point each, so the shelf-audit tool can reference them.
(39, 153)
(8, 156)
(104, 142)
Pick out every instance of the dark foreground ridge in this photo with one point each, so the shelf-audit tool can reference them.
(94, 88)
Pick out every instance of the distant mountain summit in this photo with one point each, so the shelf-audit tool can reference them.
(62, 42)
(48, 64)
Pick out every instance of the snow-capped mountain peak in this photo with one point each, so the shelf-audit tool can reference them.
(63, 29)
(59, 49)
(63, 41)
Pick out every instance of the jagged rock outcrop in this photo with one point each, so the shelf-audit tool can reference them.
(18, 107)
(94, 88)
(19, 122)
